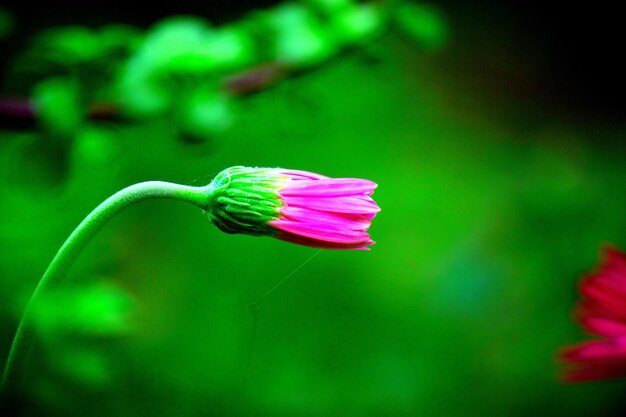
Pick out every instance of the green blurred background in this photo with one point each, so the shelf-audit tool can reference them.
(496, 135)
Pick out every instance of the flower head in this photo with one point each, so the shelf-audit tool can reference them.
(295, 206)
(602, 312)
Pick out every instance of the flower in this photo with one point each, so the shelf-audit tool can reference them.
(602, 312)
(295, 206)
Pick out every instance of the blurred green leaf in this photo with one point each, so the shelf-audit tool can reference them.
(77, 45)
(359, 24)
(189, 45)
(177, 44)
(68, 44)
(6, 23)
(300, 39)
(176, 56)
(205, 113)
(96, 146)
(92, 58)
(330, 6)
(139, 95)
(425, 24)
(231, 48)
(90, 368)
(88, 311)
(59, 106)
(119, 37)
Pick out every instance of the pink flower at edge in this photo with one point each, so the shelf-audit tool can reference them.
(602, 312)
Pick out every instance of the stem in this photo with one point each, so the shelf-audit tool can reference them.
(24, 339)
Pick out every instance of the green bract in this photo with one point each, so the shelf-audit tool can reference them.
(244, 199)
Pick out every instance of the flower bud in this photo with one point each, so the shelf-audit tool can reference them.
(295, 206)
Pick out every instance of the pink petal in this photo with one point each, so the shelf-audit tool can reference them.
(604, 327)
(615, 259)
(602, 351)
(297, 175)
(354, 205)
(611, 276)
(602, 311)
(321, 232)
(602, 303)
(345, 221)
(606, 284)
(304, 241)
(335, 187)
(594, 360)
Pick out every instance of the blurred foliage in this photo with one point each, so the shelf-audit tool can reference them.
(425, 24)
(489, 219)
(176, 69)
(79, 328)
(90, 59)
(59, 106)
(96, 311)
(6, 23)
(92, 56)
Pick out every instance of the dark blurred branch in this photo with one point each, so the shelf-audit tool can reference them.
(24, 110)
(19, 108)
(255, 79)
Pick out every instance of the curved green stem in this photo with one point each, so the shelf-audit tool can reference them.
(24, 339)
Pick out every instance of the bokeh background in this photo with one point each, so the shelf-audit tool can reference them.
(494, 130)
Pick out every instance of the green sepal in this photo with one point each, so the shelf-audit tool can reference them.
(244, 200)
